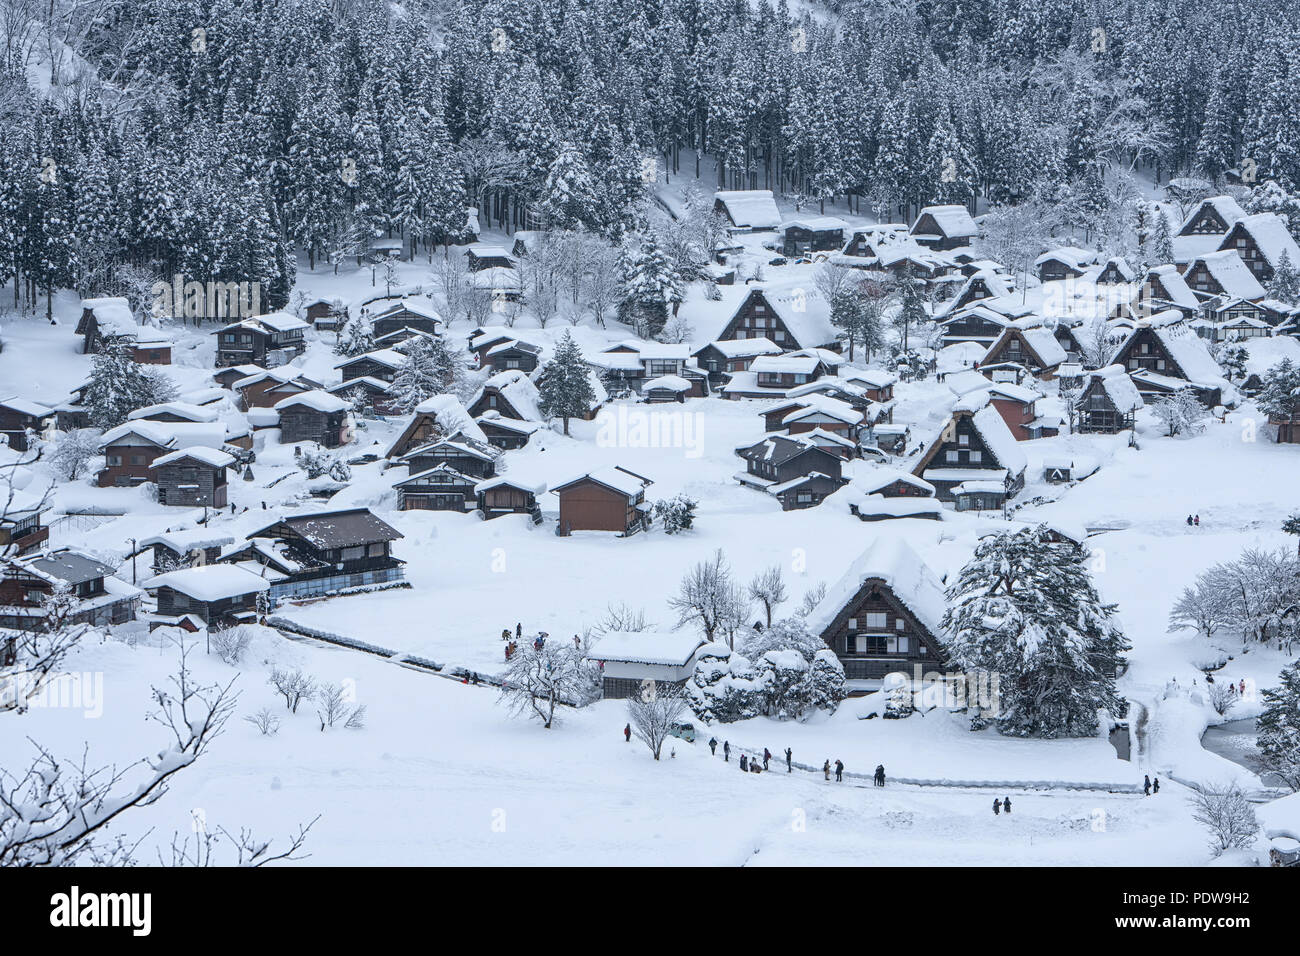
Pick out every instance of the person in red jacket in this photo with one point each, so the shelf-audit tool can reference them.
(627, 734)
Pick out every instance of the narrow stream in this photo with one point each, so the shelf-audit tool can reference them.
(1235, 741)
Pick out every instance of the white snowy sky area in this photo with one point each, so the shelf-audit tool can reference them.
(441, 774)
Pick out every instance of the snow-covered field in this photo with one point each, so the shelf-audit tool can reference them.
(441, 774)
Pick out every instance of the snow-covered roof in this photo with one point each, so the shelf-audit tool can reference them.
(998, 439)
(1263, 352)
(787, 364)
(518, 389)
(752, 208)
(211, 582)
(871, 481)
(390, 358)
(816, 223)
(281, 321)
(611, 477)
(1229, 210)
(871, 377)
(900, 507)
(1121, 266)
(1073, 256)
(209, 456)
(318, 399)
(496, 419)
(112, 314)
(1177, 290)
(169, 434)
(964, 382)
(1269, 230)
(903, 571)
(823, 405)
(25, 407)
(742, 348)
(954, 221)
(670, 648)
(417, 305)
(1186, 348)
(1017, 393)
(452, 416)
(486, 250)
(980, 487)
(1119, 388)
(1233, 275)
(194, 413)
(191, 539)
(536, 487)
(673, 383)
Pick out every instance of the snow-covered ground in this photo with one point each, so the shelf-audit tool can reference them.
(441, 774)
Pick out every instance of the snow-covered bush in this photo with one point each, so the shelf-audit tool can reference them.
(724, 687)
(230, 643)
(317, 463)
(784, 671)
(1228, 815)
(266, 722)
(786, 683)
(898, 697)
(827, 677)
(676, 514)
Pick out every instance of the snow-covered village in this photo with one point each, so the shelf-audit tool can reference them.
(610, 433)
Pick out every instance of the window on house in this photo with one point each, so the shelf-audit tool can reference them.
(953, 457)
(853, 624)
(877, 619)
(963, 439)
(353, 553)
(899, 624)
(976, 457)
(375, 550)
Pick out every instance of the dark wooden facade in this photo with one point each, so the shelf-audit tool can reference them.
(756, 318)
(875, 634)
(191, 483)
(299, 423)
(15, 422)
(587, 504)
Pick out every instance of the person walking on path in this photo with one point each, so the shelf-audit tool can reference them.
(1198, 521)
(1146, 785)
(726, 751)
(789, 757)
(1189, 521)
(1006, 805)
(519, 629)
(880, 775)
(627, 733)
(767, 756)
(997, 806)
(744, 763)
(1155, 786)
(713, 746)
(839, 771)
(826, 768)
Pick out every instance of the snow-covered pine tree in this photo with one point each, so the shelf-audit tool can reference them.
(1285, 284)
(1279, 394)
(429, 369)
(357, 336)
(564, 387)
(649, 287)
(119, 385)
(1026, 609)
(1279, 727)
(568, 200)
